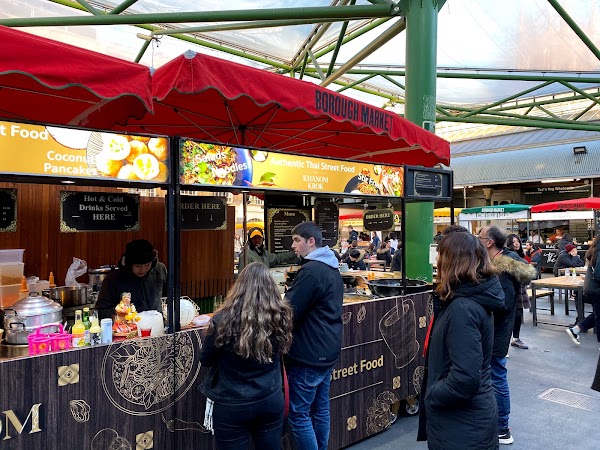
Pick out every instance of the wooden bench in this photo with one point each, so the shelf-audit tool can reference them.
(539, 293)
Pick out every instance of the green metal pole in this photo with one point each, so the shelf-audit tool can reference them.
(421, 63)
(122, 7)
(578, 31)
(585, 126)
(340, 12)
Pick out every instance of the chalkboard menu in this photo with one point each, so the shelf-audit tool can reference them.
(8, 210)
(549, 257)
(99, 211)
(427, 184)
(327, 216)
(280, 222)
(378, 220)
(203, 213)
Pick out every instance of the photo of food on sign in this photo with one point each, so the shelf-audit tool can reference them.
(363, 183)
(392, 180)
(125, 157)
(203, 163)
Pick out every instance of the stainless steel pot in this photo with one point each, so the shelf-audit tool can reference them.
(27, 315)
(97, 276)
(69, 295)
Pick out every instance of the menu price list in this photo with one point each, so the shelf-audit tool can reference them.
(327, 217)
(281, 223)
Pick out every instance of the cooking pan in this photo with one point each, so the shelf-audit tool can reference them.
(392, 287)
(68, 295)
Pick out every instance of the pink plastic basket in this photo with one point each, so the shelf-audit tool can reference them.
(41, 343)
(60, 340)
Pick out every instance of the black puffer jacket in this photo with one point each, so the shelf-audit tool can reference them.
(514, 272)
(145, 291)
(565, 260)
(459, 402)
(316, 298)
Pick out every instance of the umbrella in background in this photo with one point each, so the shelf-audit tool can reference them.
(50, 82)
(205, 98)
(579, 204)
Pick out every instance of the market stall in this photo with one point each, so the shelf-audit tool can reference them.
(505, 214)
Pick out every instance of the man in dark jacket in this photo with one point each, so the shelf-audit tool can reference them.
(139, 273)
(567, 258)
(316, 298)
(513, 272)
(257, 252)
(356, 260)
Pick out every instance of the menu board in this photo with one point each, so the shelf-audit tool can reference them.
(203, 213)
(378, 220)
(99, 211)
(8, 210)
(212, 164)
(327, 216)
(428, 184)
(69, 153)
(280, 223)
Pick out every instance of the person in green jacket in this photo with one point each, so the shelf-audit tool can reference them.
(257, 252)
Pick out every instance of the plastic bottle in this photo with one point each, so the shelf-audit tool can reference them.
(78, 331)
(87, 324)
(24, 291)
(95, 332)
(106, 333)
(567, 272)
(51, 280)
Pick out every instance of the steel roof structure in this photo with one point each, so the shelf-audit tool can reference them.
(524, 63)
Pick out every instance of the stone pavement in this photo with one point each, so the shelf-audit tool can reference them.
(552, 361)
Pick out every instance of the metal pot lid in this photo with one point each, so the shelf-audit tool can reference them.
(35, 305)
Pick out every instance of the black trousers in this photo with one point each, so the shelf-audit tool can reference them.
(518, 322)
(262, 421)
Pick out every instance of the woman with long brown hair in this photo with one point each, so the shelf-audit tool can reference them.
(243, 347)
(591, 289)
(459, 402)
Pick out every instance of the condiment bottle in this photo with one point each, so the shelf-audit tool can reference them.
(106, 333)
(87, 324)
(95, 332)
(24, 291)
(78, 331)
(51, 280)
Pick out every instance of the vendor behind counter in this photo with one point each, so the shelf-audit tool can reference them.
(140, 273)
(257, 252)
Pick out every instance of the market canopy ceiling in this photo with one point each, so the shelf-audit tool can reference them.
(490, 54)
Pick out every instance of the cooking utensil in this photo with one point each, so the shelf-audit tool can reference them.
(97, 276)
(25, 316)
(69, 295)
(392, 287)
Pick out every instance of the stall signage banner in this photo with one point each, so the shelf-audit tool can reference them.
(8, 210)
(378, 220)
(428, 184)
(203, 213)
(99, 211)
(220, 165)
(281, 222)
(327, 216)
(69, 153)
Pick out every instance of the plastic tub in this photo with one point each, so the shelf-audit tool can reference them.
(9, 295)
(11, 255)
(11, 273)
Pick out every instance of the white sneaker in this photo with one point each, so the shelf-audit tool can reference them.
(574, 336)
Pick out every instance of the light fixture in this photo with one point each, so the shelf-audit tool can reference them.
(581, 150)
(458, 187)
(558, 180)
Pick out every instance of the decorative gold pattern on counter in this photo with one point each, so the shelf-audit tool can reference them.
(80, 410)
(109, 439)
(147, 373)
(379, 414)
(11, 418)
(422, 322)
(68, 375)
(144, 441)
(362, 313)
(418, 378)
(346, 317)
(351, 423)
(398, 329)
(176, 424)
(396, 382)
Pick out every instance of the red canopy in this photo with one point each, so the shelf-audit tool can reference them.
(45, 81)
(568, 205)
(206, 98)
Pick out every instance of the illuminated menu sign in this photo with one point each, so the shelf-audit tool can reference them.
(8, 210)
(221, 165)
(68, 153)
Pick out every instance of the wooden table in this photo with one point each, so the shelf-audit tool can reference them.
(559, 283)
(578, 270)
(379, 263)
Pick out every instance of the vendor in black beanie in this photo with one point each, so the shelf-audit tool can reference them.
(257, 252)
(141, 274)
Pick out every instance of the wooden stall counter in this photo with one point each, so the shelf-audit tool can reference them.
(143, 393)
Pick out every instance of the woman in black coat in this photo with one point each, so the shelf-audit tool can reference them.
(459, 403)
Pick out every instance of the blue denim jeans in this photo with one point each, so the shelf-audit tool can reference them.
(500, 384)
(309, 406)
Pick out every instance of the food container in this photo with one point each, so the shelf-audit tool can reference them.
(97, 276)
(69, 295)
(9, 295)
(26, 315)
(11, 256)
(11, 273)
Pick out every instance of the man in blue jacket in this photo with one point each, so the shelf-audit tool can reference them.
(316, 298)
